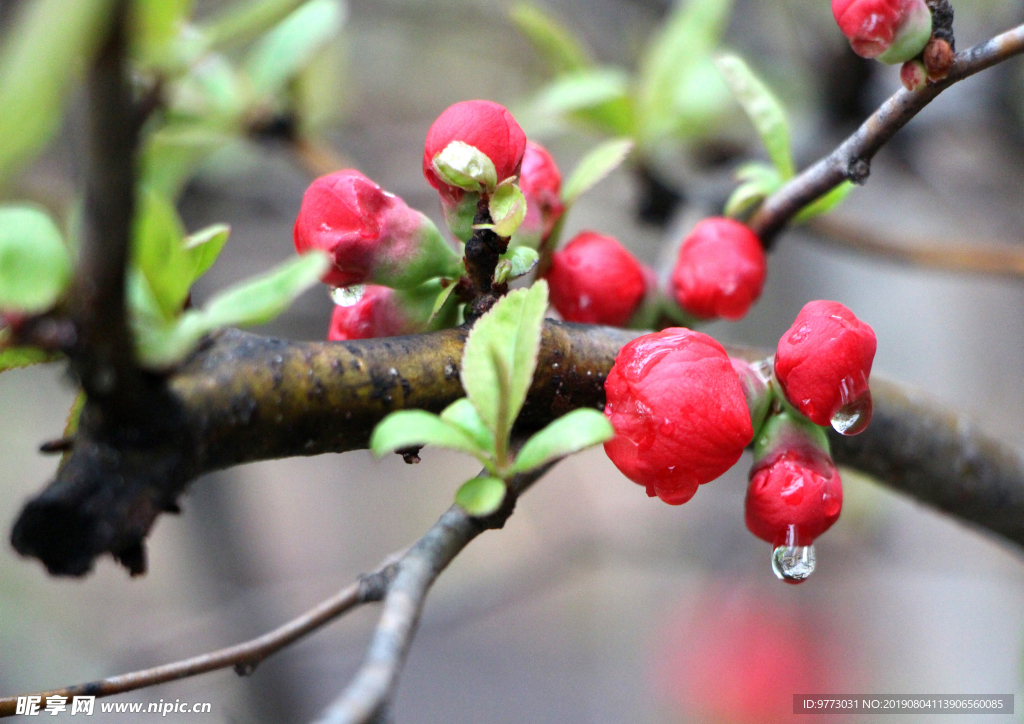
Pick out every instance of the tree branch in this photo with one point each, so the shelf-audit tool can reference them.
(403, 577)
(852, 160)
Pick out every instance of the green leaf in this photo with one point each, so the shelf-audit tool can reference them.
(581, 90)
(825, 204)
(568, 434)
(155, 26)
(507, 207)
(562, 50)
(13, 358)
(294, 42)
(690, 34)
(35, 267)
(594, 167)
(159, 253)
(409, 428)
(522, 260)
(321, 89)
(172, 154)
(161, 343)
(464, 416)
(759, 181)
(204, 246)
(481, 496)
(50, 41)
(247, 19)
(441, 300)
(763, 108)
(509, 333)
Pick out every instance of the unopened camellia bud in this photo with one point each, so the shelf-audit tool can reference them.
(823, 364)
(795, 493)
(471, 148)
(370, 234)
(541, 183)
(679, 413)
(595, 280)
(720, 270)
(893, 31)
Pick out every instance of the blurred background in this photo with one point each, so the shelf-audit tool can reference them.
(595, 603)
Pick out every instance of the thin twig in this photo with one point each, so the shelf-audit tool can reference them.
(372, 687)
(993, 259)
(852, 160)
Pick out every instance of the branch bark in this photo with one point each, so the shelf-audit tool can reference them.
(852, 160)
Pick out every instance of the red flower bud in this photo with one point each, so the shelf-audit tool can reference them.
(793, 492)
(823, 363)
(377, 313)
(594, 280)
(541, 183)
(893, 31)
(371, 235)
(720, 270)
(914, 75)
(486, 126)
(679, 413)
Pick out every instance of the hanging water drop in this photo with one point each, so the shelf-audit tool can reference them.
(854, 416)
(793, 564)
(347, 296)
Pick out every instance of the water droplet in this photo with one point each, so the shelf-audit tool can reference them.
(667, 427)
(854, 416)
(793, 564)
(763, 369)
(347, 296)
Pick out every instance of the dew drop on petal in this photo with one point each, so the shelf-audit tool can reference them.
(347, 296)
(793, 564)
(854, 416)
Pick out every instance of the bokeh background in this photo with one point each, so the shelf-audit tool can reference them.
(595, 603)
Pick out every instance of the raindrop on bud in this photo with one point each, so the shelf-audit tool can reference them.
(347, 296)
(793, 564)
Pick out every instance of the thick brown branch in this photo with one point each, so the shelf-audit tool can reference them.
(852, 160)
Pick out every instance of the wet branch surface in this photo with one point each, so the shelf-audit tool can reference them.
(852, 159)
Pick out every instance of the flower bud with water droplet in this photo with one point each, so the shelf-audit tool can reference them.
(720, 270)
(485, 127)
(823, 364)
(679, 413)
(795, 493)
(892, 31)
(370, 311)
(370, 234)
(595, 280)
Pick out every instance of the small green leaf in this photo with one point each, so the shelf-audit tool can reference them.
(825, 204)
(522, 260)
(49, 43)
(155, 25)
(321, 89)
(204, 246)
(763, 108)
(507, 206)
(35, 267)
(13, 358)
(465, 166)
(594, 167)
(172, 154)
(464, 416)
(409, 428)
(481, 496)
(568, 434)
(159, 253)
(690, 34)
(562, 50)
(259, 300)
(245, 20)
(510, 332)
(441, 300)
(285, 50)
(759, 181)
(161, 343)
(580, 91)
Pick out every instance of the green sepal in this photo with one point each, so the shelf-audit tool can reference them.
(788, 429)
(466, 167)
(507, 207)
